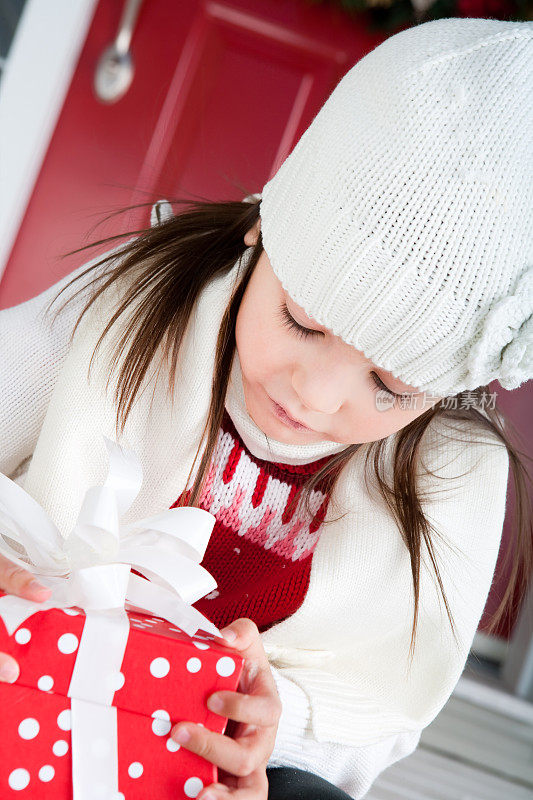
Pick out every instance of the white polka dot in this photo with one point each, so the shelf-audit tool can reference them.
(225, 666)
(45, 683)
(194, 665)
(71, 612)
(63, 720)
(161, 727)
(28, 728)
(201, 645)
(161, 724)
(159, 667)
(100, 748)
(19, 779)
(192, 787)
(60, 747)
(135, 769)
(22, 636)
(67, 643)
(46, 773)
(115, 680)
(119, 796)
(172, 745)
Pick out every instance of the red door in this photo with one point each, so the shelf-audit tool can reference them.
(221, 93)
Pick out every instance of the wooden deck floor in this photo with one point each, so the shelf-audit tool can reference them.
(480, 747)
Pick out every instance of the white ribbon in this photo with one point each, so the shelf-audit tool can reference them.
(91, 569)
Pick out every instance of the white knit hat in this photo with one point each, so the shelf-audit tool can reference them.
(402, 218)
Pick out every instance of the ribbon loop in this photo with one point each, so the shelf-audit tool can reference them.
(91, 568)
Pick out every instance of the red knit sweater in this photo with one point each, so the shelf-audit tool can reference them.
(259, 556)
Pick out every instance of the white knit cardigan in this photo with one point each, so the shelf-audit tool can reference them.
(351, 707)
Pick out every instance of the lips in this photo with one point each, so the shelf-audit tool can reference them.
(295, 421)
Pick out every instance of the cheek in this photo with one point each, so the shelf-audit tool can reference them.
(261, 342)
(378, 424)
(384, 423)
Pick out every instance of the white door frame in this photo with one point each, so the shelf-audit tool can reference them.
(35, 80)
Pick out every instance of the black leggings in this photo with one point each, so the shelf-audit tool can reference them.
(287, 783)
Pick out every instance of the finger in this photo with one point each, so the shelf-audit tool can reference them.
(19, 581)
(248, 642)
(242, 634)
(9, 669)
(252, 787)
(215, 791)
(255, 709)
(233, 757)
(256, 676)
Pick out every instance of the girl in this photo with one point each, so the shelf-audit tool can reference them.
(321, 354)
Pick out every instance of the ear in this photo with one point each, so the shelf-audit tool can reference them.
(250, 237)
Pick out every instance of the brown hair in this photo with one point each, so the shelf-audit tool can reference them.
(172, 262)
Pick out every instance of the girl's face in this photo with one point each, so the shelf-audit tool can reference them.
(319, 379)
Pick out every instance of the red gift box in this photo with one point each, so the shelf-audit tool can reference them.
(166, 676)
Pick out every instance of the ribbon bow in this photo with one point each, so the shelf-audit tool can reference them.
(504, 350)
(91, 568)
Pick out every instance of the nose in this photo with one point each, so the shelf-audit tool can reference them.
(321, 390)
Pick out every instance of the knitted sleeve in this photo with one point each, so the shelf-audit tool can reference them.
(352, 769)
(33, 347)
(34, 343)
(347, 649)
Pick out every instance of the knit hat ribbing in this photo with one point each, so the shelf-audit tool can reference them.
(401, 220)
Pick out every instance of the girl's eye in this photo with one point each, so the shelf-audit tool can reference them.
(288, 320)
(378, 383)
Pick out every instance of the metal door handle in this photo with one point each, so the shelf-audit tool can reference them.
(114, 71)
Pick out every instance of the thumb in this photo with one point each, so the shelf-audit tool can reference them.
(242, 634)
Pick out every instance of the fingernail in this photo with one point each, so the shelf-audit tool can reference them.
(182, 735)
(35, 586)
(8, 672)
(228, 634)
(215, 703)
(209, 796)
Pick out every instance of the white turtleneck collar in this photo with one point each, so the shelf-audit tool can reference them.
(257, 442)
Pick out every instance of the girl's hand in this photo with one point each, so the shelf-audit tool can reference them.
(243, 754)
(19, 581)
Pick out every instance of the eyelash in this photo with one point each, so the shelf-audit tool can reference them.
(289, 321)
(378, 383)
